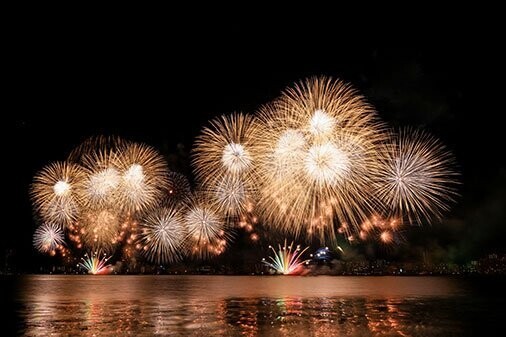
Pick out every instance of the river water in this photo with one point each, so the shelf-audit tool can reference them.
(111, 305)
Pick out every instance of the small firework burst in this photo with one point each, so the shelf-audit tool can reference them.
(143, 177)
(57, 192)
(207, 232)
(418, 178)
(48, 238)
(162, 235)
(95, 263)
(226, 147)
(286, 261)
(231, 195)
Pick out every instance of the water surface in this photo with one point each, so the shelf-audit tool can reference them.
(43, 305)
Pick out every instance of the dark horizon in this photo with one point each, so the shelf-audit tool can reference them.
(60, 99)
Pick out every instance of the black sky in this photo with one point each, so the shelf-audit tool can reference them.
(61, 90)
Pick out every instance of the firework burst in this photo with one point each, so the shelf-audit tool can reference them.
(100, 228)
(207, 232)
(143, 177)
(285, 261)
(95, 264)
(224, 162)
(48, 238)
(162, 235)
(226, 147)
(418, 177)
(230, 195)
(57, 192)
(318, 145)
(97, 155)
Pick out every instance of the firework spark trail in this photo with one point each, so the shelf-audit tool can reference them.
(418, 177)
(57, 192)
(162, 234)
(48, 238)
(96, 147)
(94, 264)
(318, 145)
(285, 261)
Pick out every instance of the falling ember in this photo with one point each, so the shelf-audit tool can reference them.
(386, 237)
(285, 261)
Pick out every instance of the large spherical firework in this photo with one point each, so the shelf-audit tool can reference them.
(98, 155)
(162, 235)
(227, 147)
(100, 228)
(317, 156)
(417, 178)
(207, 232)
(57, 192)
(224, 162)
(143, 177)
(48, 237)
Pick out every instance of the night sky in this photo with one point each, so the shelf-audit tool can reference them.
(61, 91)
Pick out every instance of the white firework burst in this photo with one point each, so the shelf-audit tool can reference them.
(48, 237)
(162, 235)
